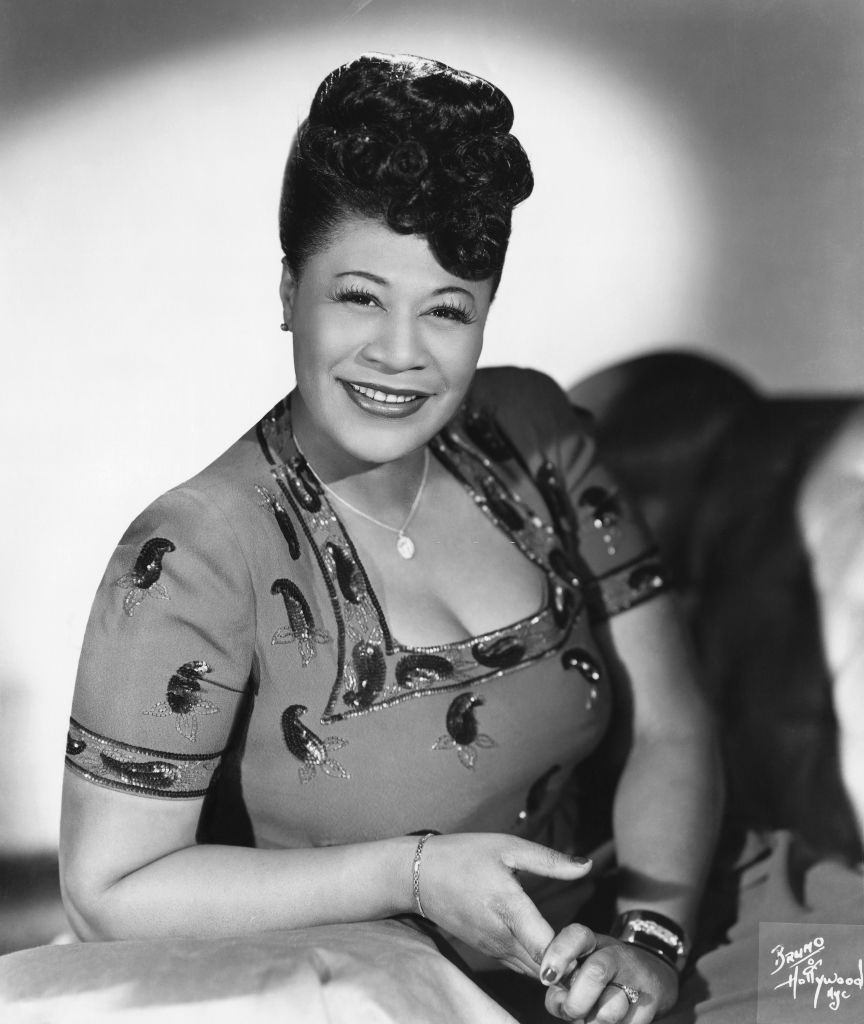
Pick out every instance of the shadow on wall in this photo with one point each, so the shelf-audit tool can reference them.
(718, 470)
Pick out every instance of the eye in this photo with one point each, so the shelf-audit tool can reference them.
(453, 311)
(356, 296)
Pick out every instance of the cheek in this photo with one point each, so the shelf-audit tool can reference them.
(319, 342)
(459, 360)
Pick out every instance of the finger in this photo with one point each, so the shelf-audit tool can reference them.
(563, 954)
(589, 981)
(612, 1007)
(531, 932)
(514, 964)
(542, 860)
(554, 1001)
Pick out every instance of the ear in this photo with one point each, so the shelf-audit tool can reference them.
(287, 291)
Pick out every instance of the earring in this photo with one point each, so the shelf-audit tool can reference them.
(285, 326)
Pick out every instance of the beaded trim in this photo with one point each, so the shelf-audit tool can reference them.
(627, 586)
(374, 671)
(139, 770)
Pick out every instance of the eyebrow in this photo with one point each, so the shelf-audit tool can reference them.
(383, 281)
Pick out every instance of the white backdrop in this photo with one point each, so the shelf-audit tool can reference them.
(691, 189)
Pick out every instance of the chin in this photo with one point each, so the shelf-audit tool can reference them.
(379, 447)
(372, 439)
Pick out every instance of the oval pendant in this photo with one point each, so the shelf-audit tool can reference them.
(405, 546)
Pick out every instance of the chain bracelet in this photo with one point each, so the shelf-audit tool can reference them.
(415, 873)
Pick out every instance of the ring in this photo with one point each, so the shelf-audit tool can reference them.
(628, 990)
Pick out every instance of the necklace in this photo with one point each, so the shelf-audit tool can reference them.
(404, 545)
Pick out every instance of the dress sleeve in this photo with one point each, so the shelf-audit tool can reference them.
(167, 655)
(618, 561)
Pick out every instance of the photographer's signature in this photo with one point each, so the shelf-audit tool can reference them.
(805, 970)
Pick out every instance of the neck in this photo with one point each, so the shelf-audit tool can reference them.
(380, 488)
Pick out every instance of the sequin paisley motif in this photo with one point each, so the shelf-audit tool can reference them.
(311, 750)
(463, 732)
(301, 628)
(143, 580)
(269, 501)
(577, 659)
(183, 701)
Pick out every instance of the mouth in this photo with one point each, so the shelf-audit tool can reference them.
(396, 396)
(384, 401)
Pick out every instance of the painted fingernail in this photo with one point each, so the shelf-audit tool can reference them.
(549, 976)
(581, 861)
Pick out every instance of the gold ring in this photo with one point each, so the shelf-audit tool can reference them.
(628, 990)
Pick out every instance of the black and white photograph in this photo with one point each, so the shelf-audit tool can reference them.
(433, 520)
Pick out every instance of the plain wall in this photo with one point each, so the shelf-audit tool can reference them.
(699, 183)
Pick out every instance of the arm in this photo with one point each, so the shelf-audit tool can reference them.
(666, 816)
(130, 868)
(667, 805)
(669, 799)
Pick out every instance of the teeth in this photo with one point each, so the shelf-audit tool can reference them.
(380, 396)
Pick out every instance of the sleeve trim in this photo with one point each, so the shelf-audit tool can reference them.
(138, 770)
(650, 552)
(129, 748)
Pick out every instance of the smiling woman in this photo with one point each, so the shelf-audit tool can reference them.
(396, 337)
(282, 719)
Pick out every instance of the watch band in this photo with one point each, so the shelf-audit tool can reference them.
(654, 933)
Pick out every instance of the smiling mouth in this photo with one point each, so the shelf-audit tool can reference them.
(387, 397)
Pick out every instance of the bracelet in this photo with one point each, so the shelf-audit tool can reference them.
(655, 933)
(415, 873)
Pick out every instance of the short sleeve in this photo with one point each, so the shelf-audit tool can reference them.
(167, 656)
(619, 562)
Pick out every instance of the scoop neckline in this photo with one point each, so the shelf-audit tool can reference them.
(438, 450)
(520, 625)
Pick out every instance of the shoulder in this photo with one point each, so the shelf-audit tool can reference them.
(532, 409)
(498, 383)
(218, 505)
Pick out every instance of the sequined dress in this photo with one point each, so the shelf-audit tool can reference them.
(236, 648)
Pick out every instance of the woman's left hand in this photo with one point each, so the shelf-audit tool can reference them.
(600, 966)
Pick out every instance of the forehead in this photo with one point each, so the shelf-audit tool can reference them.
(370, 246)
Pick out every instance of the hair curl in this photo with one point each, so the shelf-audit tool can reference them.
(417, 144)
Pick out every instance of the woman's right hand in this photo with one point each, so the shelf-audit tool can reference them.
(469, 886)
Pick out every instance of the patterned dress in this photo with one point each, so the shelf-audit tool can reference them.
(237, 649)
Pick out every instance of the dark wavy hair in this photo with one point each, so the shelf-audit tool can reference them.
(413, 143)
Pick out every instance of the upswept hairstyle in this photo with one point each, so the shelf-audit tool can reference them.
(417, 144)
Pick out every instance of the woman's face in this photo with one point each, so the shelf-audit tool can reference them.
(385, 344)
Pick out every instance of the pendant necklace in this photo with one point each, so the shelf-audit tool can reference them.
(404, 545)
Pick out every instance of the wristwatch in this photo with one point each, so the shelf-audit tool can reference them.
(655, 933)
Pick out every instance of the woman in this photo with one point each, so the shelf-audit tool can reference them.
(346, 671)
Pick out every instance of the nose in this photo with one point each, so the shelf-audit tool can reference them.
(397, 345)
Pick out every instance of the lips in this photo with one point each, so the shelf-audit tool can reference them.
(393, 403)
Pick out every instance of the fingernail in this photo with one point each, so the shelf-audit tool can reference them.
(549, 976)
(581, 861)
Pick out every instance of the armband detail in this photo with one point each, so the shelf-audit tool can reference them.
(139, 770)
(627, 586)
